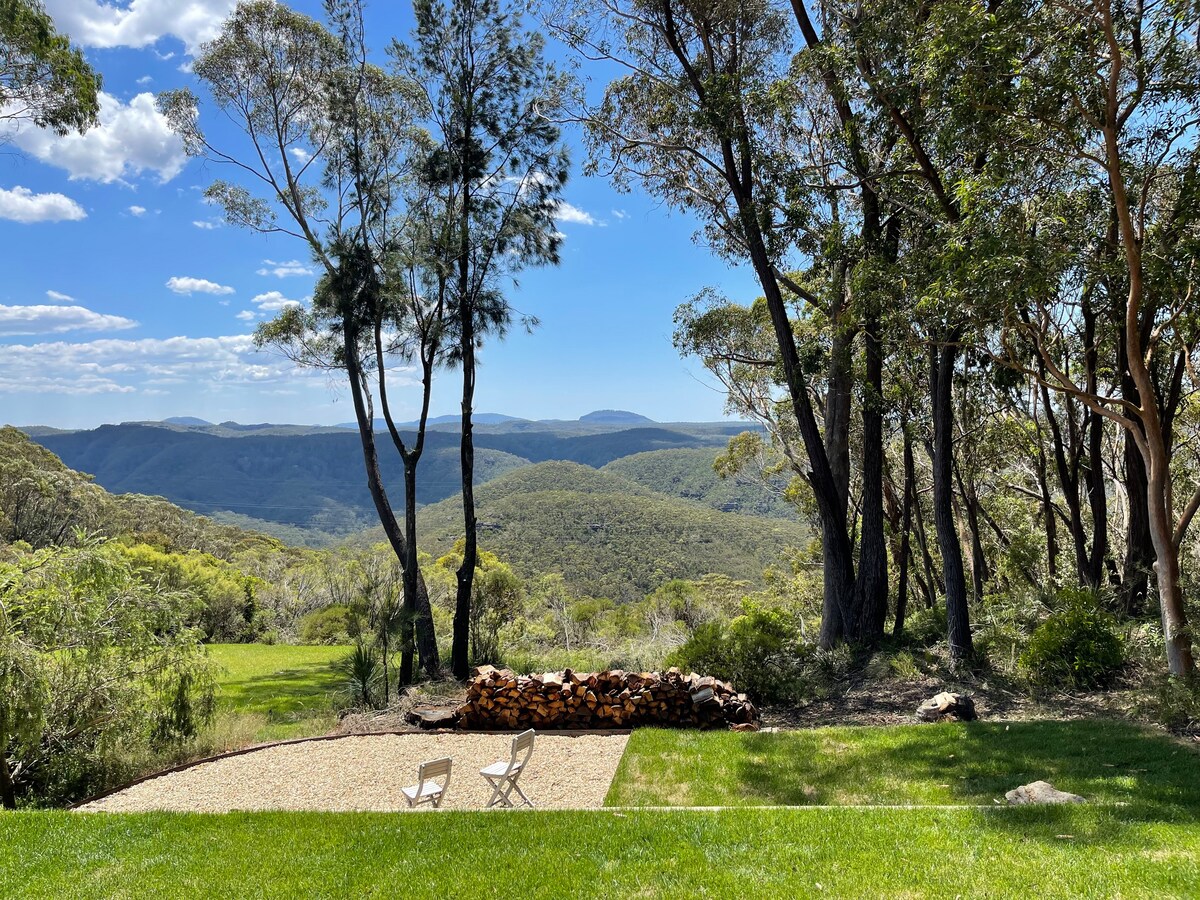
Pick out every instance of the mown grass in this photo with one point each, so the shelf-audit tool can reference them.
(274, 692)
(1092, 851)
(969, 763)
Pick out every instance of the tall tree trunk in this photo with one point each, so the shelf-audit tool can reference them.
(910, 489)
(872, 583)
(979, 567)
(460, 661)
(1094, 474)
(958, 621)
(364, 416)
(1048, 514)
(1139, 545)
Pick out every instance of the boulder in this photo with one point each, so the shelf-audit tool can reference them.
(1040, 792)
(955, 707)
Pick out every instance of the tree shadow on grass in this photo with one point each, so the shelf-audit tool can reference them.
(284, 695)
(974, 764)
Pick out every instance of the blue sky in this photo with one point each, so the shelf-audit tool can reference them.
(127, 298)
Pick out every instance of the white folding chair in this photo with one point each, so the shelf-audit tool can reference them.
(426, 790)
(502, 776)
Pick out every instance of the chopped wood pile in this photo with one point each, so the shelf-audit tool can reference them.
(498, 698)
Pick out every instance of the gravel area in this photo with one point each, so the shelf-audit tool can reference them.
(366, 773)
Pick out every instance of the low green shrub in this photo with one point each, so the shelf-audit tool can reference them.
(1077, 647)
(1177, 704)
(926, 627)
(329, 626)
(759, 652)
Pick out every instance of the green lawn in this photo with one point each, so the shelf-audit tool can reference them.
(278, 691)
(973, 763)
(1048, 852)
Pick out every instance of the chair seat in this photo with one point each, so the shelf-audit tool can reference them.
(500, 768)
(427, 790)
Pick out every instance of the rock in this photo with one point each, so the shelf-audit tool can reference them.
(1040, 792)
(955, 707)
(432, 716)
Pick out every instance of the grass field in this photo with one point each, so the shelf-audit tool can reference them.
(973, 763)
(276, 692)
(1092, 851)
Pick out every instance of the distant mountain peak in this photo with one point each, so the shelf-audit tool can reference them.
(615, 416)
(185, 420)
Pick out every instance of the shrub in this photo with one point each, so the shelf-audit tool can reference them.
(759, 652)
(1077, 647)
(330, 625)
(926, 627)
(1177, 704)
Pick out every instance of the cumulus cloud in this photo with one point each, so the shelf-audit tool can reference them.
(137, 210)
(620, 214)
(565, 212)
(60, 297)
(206, 224)
(131, 139)
(284, 269)
(140, 23)
(273, 301)
(113, 365)
(187, 285)
(23, 205)
(22, 320)
(299, 154)
(246, 315)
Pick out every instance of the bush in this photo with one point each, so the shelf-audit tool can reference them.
(926, 627)
(1077, 647)
(330, 626)
(759, 652)
(1177, 704)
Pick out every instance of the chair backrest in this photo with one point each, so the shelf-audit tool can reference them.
(435, 768)
(522, 744)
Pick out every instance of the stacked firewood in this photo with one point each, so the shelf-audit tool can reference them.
(498, 698)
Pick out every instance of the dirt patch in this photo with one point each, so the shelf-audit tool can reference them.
(366, 772)
(859, 701)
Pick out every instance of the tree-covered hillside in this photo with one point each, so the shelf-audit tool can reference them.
(689, 475)
(608, 536)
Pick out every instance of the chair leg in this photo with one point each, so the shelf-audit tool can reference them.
(497, 796)
(517, 787)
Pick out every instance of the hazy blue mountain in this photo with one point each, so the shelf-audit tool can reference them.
(615, 417)
(186, 420)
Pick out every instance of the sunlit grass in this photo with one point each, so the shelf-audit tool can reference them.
(970, 763)
(275, 692)
(1092, 851)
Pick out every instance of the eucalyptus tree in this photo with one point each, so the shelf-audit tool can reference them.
(497, 167)
(720, 114)
(326, 155)
(43, 79)
(1113, 92)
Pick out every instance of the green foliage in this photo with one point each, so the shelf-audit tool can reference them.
(926, 627)
(94, 665)
(1077, 647)
(43, 79)
(758, 652)
(1177, 704)
(329, 625)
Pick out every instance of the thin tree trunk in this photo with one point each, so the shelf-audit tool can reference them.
(872, 583)
(958, 621)
(905, 526)
(979, 570)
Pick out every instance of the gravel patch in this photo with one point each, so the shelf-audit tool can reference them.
(366, 773)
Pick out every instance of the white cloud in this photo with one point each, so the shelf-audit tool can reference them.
(284, 269)
(273, 301)
(299, 154)
(130, 139)
(206, 224)
(137, 210)
(141, 22)
(144, 80)
(246, 315)
(23, 205)
(565, 212)
(620, 214)
(57, 319)
(60, 297)
(187, 285)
